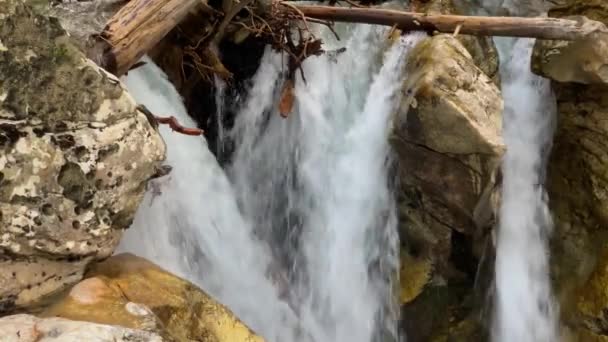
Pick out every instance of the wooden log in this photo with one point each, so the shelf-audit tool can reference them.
(542, 28)
(135, 29)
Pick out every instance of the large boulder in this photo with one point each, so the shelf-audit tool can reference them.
(129, 291)
(27, 328)
(447, 136)
(581, 61)
(75, 156)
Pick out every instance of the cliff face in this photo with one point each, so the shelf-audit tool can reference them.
(577, 172)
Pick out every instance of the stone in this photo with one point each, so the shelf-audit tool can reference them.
(453, 106)
(482, 49)
(447, 135)
(129, 291)
(27, 328)
(581, 61)
(415, 273)
(75, 156)
(578, 174)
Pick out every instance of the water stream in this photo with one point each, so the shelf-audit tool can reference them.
(298, 235)
(524, 307)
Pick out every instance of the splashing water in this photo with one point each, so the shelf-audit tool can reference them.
(298, 237)
(525, 311)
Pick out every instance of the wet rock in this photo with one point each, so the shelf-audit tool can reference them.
(447, 136)
(75, 155)
(415, 273)
(27, 328)
(582, 61)
(577, 181)
(129, 291)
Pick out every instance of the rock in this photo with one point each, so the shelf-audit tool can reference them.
(447, 136)
(416, 273)
(27, 328)
(591, 302)
(75, 156)
(129, 291)
(577, 175)
(592, 9)
(577, 186)
(582, 61)
(482, 49)
(455, 108)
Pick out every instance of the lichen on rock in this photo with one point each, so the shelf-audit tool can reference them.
(75, 153)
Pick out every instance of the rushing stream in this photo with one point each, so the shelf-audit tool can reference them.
(525, 310)
(298, 235)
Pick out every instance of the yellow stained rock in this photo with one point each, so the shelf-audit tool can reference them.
(130, 291)
(414, 274)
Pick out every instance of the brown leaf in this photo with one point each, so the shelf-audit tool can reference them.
(287, 98)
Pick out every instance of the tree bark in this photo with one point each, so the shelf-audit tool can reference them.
(542, 28)
(135, 29)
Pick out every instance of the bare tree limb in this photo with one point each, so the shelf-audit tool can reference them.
(542, 28)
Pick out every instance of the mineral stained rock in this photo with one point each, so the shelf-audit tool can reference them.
(130, 291)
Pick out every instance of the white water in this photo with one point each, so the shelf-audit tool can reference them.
(300, 239)
(525, 311)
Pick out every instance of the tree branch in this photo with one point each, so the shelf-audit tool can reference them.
(542, 28)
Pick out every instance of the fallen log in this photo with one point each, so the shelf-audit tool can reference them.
(542, 28)
(135, 29)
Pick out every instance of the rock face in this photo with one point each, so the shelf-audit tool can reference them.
(26, 328)
(75, 155)
(482, 49)
(129, 291)
(448, 139)
(581, 61)
(577, 181)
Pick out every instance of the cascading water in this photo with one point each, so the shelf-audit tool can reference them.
(299, 240)
(525, 310)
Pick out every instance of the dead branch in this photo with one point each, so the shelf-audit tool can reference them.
(175, 126)
(542, 28)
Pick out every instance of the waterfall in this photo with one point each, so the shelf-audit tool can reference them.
(525, 310)
(298, 235)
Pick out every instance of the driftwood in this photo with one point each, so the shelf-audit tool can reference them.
(542, 28)
(135, 29)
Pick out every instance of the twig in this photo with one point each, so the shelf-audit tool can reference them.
(352, 3)
(228, 18)
(171, 121)
(457, 30)
(175, 126)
